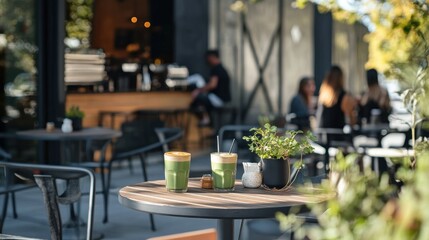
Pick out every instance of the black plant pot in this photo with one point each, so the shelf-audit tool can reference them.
(275, 172)
(76, 123)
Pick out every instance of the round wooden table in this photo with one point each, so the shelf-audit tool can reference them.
(243, 203)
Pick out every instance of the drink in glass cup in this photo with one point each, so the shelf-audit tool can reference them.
(224, 167)
(177, 165)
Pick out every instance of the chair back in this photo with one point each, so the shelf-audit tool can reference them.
(45, 175)
(164, 136)
(137, 133)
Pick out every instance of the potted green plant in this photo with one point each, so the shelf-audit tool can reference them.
(275, 149)
(76, 115)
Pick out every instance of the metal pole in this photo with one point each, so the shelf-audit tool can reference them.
(218, 27)
(243, 33)
(280, 60)
(225, 229)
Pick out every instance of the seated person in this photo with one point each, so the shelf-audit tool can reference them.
(336, 106)
(376, 97)
(215, 93)
(301, 104)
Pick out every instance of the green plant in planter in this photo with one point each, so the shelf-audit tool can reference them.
(268, 143)
(76, 115)
(75, 112)
(275, 149)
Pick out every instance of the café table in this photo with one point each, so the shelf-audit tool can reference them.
(377, 153)
(87, 135)
(243, 203)
(97, 133)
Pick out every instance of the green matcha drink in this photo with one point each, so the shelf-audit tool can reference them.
(224, 166)
(177, 165)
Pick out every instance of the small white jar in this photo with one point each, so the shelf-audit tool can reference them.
(67, 126)
(252, 176)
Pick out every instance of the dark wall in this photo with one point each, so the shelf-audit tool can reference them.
(191, 26)
(162, 37)
(322, 46)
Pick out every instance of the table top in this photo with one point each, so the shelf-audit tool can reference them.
(57, 135)
(377, 127)
(389, 152)
(243, 203)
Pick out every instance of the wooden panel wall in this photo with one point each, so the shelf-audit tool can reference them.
(128, 102)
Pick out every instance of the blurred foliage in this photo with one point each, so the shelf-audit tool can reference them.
(361, 195)
(79, 20)
(398, 28)
(406, 217)
(17, 20)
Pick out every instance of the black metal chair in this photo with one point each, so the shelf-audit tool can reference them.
(45, 177)
(8, 189)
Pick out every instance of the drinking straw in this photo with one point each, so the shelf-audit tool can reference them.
(218, 148)
(232, 145)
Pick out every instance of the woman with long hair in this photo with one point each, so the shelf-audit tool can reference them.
(336, 106)
(375, 98)
(301, 105)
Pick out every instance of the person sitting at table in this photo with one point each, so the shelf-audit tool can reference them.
(301, 105)
(336, 106)
(215, 93)
(375, 98)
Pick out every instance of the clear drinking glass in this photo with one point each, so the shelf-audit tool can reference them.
(224, 167)
(177, 166)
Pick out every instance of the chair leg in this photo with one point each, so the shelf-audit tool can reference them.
(47, 186)
(130, 165)
(241, 229)
(105, 183)
(105, 190)
(152, 222)
(4, 212)
(143, 163)
(106, 194)
(15, 214)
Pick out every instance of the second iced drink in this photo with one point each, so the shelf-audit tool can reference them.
(224, 166)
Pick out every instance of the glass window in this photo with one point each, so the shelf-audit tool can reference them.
(18, 51)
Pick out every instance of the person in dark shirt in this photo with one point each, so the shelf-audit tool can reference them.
(216, 92)
(336, 106)
(375, 98)
(301, 105)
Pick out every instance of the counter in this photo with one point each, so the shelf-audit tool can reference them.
(92, 103)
